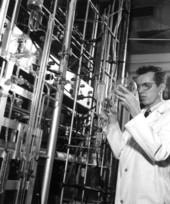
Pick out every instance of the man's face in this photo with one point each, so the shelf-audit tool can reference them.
(149, 92)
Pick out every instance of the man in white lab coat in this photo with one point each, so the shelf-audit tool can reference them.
(143, 149)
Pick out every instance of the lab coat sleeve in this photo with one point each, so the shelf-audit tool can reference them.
(116, 139)
(153, 139)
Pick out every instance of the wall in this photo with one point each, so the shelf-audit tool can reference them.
(161, 60)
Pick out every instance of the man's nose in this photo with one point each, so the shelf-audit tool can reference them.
(141, 92)
(140, 89)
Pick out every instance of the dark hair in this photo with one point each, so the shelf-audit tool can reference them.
(160, 75)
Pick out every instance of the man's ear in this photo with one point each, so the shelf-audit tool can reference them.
(162, 87)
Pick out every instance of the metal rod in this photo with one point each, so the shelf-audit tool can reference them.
(52, 137)
(80, 64)
(94, 35)
(3, 13)
(148, 39)
(35, 107)
(58, 103)
(75, 98)
(97, 12)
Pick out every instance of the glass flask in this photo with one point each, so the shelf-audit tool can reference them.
(35, 5)
(112, 100)
(128, 83)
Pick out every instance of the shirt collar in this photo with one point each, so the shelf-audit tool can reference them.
(155, 106)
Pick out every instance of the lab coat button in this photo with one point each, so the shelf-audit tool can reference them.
(126, 170)
(121, 201)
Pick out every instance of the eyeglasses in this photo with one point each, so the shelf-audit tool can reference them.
(145, 86)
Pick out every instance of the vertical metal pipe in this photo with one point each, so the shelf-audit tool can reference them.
(92, 52)
(77, 86)
(72, 120)
(3, 13)
(35, 107)
(36, 101)
(94, 35)
(58, 103)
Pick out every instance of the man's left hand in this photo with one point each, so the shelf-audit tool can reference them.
(129, 100)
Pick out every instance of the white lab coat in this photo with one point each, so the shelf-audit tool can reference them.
(144, 158)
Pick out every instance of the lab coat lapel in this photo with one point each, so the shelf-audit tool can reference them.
(156, 114)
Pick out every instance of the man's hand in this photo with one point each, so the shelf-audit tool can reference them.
(129, 100)
(110, 109)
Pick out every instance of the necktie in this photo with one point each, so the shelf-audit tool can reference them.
(147, 112)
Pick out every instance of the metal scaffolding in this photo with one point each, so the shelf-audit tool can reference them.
(58, 60)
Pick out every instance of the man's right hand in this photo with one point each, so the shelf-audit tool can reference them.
(110, 109)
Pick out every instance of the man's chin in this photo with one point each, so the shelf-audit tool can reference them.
(144, 103)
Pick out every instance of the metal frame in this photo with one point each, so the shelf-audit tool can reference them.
(85, 148)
